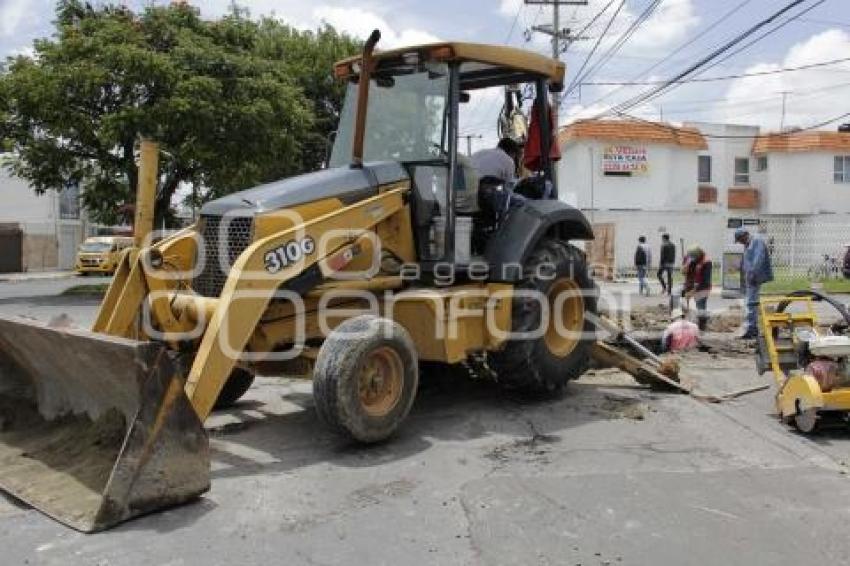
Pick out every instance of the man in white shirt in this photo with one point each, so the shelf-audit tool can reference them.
(498, 162)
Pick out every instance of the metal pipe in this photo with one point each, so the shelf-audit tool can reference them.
(146, 191)
(363, 100)
(545, 136)
(454, 99)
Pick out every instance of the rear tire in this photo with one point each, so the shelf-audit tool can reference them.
(235, 387)
(366, 378)
(544, 364)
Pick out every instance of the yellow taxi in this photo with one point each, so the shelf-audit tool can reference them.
(100, 254)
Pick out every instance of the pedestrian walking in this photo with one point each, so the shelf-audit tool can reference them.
(757, 270)
(643, 260)
(697, 268)
(666, 261)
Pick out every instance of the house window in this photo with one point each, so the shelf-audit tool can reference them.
(69, 202)
(842, 168)
(742, 171)
(761, 163)
(704, 168)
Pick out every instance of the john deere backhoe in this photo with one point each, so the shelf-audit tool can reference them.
(99, 426)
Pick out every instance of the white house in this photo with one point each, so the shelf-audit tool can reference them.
(700, 181)
(636, 178)
(38, 232)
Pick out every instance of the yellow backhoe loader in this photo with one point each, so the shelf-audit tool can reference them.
(395, 254)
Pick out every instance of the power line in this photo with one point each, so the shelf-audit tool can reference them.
(825, 22)
(724, 77)
(622, 40)
(474, 110)
(718, 136)
(595, 46)
(660, 89)
(680, 48)
(765, 34)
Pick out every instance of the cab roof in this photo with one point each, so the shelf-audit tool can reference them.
(496, 64)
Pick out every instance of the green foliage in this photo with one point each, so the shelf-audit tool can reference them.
(233, 102)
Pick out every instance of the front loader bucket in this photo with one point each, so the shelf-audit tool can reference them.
(95, 429)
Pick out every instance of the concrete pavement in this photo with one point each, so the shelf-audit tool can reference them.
(609, 474)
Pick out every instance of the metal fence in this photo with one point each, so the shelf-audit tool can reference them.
(807, 246)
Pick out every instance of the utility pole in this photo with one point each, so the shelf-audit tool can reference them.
(469, 138)
(558, 36)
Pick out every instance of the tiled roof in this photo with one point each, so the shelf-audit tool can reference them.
(633, 131)
(802, 141)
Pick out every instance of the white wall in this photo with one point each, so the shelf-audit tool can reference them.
(670, 183)
(803, 183)
(725, 143)
(706, 228)
(19, 203)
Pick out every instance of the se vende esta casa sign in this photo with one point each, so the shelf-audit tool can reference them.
(624, 159)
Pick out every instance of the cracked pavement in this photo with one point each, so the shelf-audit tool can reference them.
(610, 474)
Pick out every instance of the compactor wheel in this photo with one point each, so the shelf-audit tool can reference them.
(366, 378)
(806, 421)
(550, 350)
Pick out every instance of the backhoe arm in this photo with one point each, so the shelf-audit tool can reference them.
(257, 275)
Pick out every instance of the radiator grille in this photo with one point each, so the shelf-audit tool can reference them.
(238, 232)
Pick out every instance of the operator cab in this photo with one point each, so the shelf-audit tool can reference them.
(418, 107)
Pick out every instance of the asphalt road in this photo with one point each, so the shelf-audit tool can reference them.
(610, 474)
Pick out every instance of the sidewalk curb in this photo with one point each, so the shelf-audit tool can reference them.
(35, 276)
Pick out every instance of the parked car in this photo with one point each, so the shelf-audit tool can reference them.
(100, 254)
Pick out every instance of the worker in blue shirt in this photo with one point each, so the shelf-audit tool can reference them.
(757, 270)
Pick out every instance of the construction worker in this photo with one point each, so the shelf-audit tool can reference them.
(757, 270)
(681, 334)
(697, 269)
(643, 259)
(498, 162)
(665, 264)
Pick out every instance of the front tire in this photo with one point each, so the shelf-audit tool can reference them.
(542, 364)
(237, 384)
(366, 378)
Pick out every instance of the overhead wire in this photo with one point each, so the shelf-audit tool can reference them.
(679, 48)
(701, 64)
(763, 35)
(618, 44)
(725, 77)
(675, 130)
(595, 46)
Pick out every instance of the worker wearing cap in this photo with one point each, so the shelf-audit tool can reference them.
(681, 334)
(697, 269)
(757, 270)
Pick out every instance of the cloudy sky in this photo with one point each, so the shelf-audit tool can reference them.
(677, 33)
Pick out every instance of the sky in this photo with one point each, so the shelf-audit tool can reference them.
(677, 33)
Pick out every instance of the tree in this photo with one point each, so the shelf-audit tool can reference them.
(233, 102)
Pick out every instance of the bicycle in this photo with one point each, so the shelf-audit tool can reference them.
(829, 268)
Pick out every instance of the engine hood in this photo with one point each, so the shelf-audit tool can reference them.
(347, 184)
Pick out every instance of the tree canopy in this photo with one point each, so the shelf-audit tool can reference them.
(233, 102)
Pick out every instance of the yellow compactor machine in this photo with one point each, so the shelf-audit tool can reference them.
(99, 426)
(810, 362)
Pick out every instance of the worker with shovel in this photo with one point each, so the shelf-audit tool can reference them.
(697, 269)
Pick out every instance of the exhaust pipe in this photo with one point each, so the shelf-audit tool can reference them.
(366, 63)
